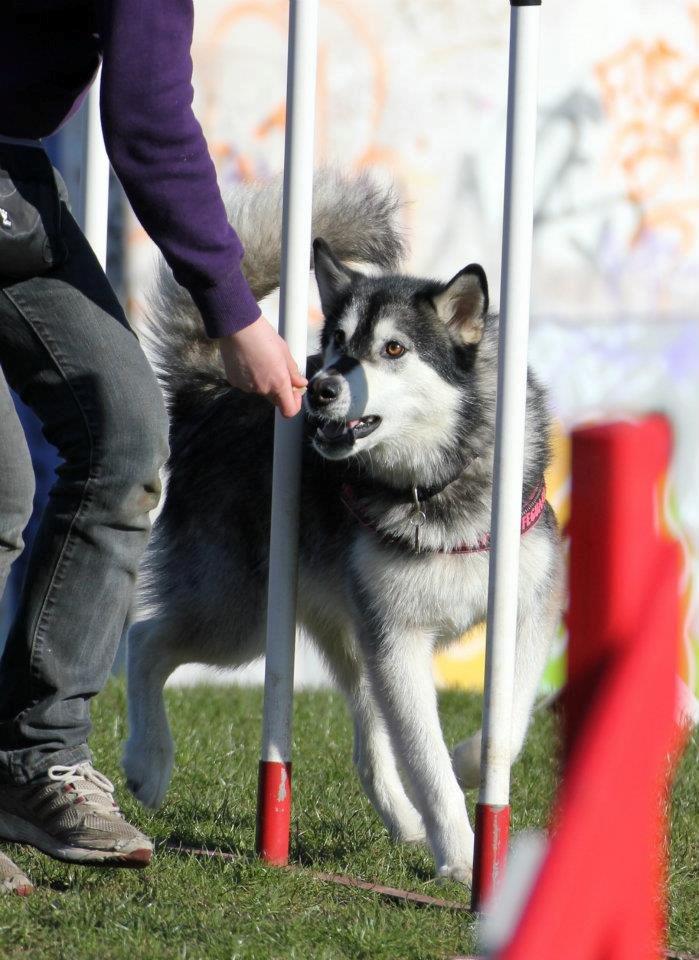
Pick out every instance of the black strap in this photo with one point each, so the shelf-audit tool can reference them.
(403, 495)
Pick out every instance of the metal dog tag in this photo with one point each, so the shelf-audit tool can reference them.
(417, 518)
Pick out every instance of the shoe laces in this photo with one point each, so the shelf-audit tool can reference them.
(85, 784)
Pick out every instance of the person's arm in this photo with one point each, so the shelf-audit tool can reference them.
(159, 154)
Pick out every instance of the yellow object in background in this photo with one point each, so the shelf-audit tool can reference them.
(462, 666)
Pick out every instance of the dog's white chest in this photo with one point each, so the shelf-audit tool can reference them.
(441, 593)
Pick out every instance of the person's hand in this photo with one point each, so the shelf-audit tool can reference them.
(258, 360)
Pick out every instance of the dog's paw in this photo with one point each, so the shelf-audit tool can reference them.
(454, 854)
(413, 833)
(466, 761)
(460, 872)
(148, 773)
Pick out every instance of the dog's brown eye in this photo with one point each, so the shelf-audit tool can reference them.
(394, 349)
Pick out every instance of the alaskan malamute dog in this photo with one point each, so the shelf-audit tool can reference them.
(395, 513)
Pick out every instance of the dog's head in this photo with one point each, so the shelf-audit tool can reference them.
(397, 384)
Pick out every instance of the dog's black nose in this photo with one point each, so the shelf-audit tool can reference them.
(323, 390)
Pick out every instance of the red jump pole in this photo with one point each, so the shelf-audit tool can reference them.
(599, 893)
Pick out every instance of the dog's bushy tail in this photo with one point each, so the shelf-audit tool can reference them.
(355, 214)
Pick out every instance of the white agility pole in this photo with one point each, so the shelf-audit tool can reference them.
(96, 177)
(493, 811)
(274, 788)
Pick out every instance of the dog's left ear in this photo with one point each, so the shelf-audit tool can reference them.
(463, 303)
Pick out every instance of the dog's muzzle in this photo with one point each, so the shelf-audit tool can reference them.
(327, 401)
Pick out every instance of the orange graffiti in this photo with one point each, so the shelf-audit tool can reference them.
(275, 120)
(340, 22)
(650, 91)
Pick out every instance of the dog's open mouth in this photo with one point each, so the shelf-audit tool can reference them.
(346, 431)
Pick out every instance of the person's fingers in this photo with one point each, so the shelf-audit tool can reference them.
(297, 378)
(283, 396)
(289, 403)
(298, 381)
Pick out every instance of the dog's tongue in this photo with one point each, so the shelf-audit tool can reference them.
(351, 424)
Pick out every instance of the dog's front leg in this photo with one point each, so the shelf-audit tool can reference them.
(373, 750)
(400, 670)
(377, 771)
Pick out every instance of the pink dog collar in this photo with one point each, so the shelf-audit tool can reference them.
(531, 511)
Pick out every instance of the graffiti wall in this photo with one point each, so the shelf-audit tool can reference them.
(417, 90)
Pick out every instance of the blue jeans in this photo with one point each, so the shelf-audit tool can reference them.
(67, 350)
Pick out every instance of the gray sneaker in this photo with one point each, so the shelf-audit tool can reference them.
(71, 815)
(12, 879)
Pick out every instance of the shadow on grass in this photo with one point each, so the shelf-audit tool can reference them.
(327, 854)
(186, 844)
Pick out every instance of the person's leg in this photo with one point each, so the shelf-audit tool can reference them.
(66, 349)
(16, 484)
(16, 497)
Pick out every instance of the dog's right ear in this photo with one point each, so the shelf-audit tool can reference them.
(332, 277)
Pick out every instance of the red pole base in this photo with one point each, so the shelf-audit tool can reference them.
(273, 812)
(490, 854)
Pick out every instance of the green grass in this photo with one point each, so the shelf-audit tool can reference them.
(183, 907)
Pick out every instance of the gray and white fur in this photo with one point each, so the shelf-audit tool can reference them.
(401, 400)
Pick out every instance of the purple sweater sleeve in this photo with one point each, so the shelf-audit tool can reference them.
(159, 153)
